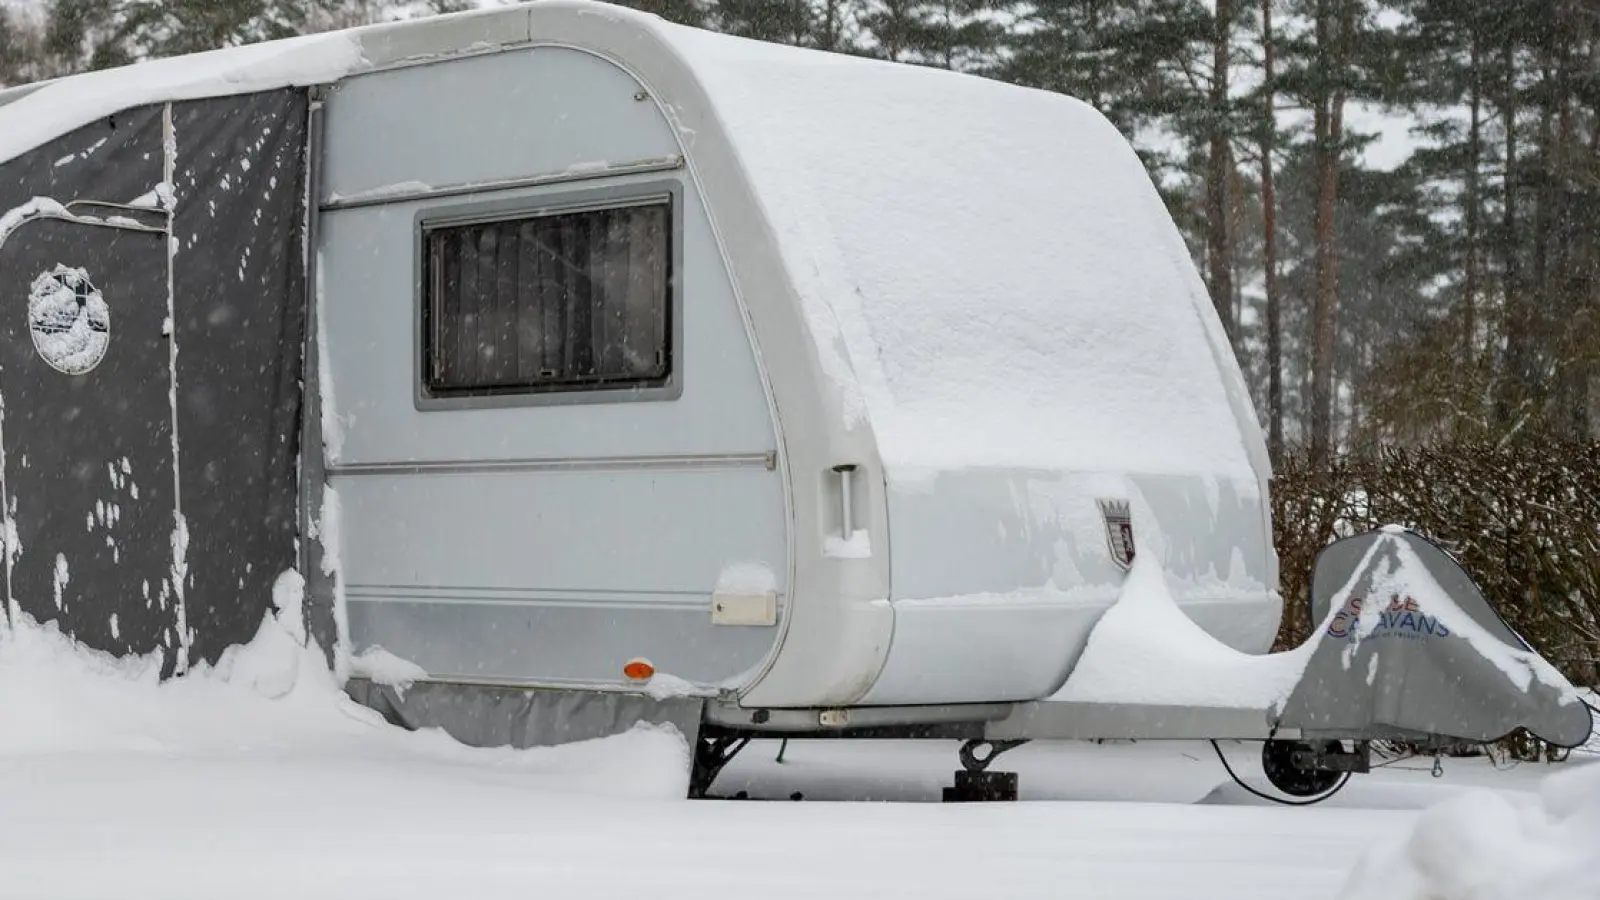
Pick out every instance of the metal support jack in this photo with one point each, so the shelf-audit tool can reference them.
(974, 783)
(711, 754)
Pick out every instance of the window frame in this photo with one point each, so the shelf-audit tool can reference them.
(539, 205)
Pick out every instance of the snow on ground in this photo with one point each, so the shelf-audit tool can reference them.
(1493, 846)
(257, 779)
(1156, 772)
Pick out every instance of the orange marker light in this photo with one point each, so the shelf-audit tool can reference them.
(638, 670)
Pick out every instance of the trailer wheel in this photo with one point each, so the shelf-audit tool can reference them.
(1293, 766)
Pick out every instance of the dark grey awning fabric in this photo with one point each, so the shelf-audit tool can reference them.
(240, 314)
(1409, 648)
(154, 492)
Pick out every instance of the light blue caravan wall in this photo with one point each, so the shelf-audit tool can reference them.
(602, 528)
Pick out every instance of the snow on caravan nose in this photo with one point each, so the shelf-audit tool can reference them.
(999, 575)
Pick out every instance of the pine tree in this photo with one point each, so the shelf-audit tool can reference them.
(962, 35)
(96, 34)
(1267, 136)
(1220, 170)
(10, 49)
(777, 21)
(836, 25)
(684, 12)
(1141, 64)
(1320, 73)
(1130, 59)
(1446, 43)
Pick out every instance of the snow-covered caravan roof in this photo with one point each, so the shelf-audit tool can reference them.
(987, 268)
(989, 275)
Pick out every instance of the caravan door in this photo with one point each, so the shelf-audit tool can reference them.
(85, 378)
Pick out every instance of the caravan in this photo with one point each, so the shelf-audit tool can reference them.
(605, 370)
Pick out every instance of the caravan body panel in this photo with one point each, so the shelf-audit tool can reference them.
(533, 540)
(1000, 299)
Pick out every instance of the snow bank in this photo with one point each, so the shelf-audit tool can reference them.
(58, 697)
(270, 702)
(382, 667)
(1493, 846)
(1146, 650)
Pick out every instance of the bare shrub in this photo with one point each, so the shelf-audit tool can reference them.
(1523, 519)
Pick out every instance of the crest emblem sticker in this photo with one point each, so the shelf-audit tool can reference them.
(1119, 531)
(69, 320)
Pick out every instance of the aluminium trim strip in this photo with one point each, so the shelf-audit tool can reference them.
(587, 173)
(121, 207)
(180, 524)
(320, 610)
(463, 589)
(661, 463)
(799, 720)
(565, 597)
(700, 606)
(512, 683)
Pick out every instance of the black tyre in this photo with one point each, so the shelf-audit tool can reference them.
(1287, 774)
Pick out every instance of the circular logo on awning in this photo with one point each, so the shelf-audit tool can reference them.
(70, 321)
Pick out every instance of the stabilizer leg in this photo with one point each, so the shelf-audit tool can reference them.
(711, 754)
(974, 783)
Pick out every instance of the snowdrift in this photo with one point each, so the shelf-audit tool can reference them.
(1488, 845)
(272, 701)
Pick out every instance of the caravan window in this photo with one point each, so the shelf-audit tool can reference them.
(563, 301)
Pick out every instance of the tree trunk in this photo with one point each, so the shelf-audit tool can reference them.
(1570, 282)
(1269, 247)
(10, 57)
(1541, 295)
(1469, 292)
(828, 37)
(1095, 39)
(1508, 397)
(1218, 250)
(1587, 298)
(949, 36)
(1329, 127)
(1236, 257)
